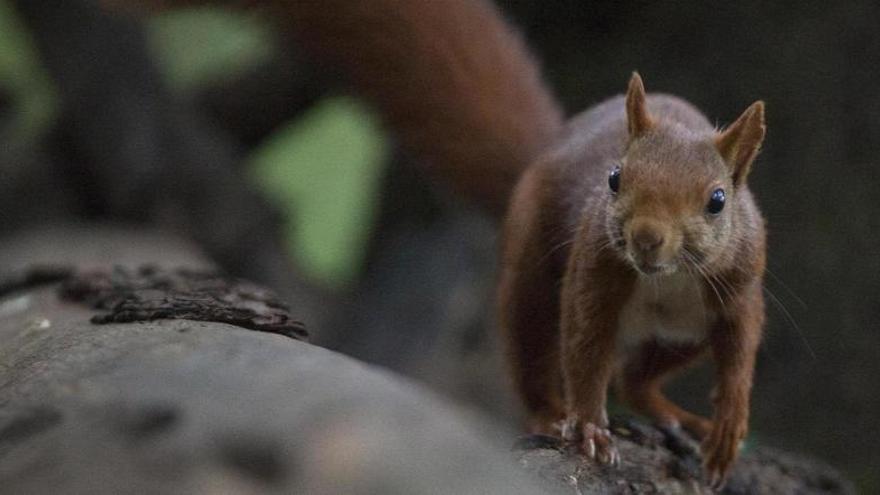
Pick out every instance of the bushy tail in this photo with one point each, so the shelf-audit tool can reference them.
(451, 78)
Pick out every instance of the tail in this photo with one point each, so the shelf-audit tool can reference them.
(451, 78)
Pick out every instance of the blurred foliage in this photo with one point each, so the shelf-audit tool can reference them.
(322, 169)
(327, 166)
(22, 76)
(194, 47)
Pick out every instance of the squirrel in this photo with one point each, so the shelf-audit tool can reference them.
(631, 244)
(632, 248)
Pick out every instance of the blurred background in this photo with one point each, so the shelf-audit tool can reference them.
(209, 123)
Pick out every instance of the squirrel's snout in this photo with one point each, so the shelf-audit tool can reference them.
(647, 237)
(647, 240)
(650, 245)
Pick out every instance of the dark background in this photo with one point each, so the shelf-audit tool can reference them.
(126, 146)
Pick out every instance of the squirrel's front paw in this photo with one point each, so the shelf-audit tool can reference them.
(720, 449)
(594, 441)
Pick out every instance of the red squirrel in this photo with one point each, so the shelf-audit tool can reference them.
(631, 246)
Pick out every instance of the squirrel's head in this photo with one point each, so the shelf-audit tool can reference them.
(674, 193)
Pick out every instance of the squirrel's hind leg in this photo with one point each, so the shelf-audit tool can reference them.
(640, 383)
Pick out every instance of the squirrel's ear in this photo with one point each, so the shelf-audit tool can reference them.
(739, 143)
(637, 116)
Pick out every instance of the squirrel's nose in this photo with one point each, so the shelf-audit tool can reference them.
(647, 238)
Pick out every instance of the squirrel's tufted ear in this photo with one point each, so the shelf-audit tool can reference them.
(739, 143)
(637, 116)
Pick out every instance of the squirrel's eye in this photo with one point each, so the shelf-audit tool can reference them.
(716, 202)
(614, 179)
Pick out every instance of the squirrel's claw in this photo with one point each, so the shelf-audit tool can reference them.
(720, 449)
(716, 482)
(598, 445)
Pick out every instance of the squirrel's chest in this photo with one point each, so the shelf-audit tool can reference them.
(669, 308)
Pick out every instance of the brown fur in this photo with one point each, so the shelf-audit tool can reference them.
(452, 79)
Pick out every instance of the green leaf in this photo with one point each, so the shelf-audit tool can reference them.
(325, 170)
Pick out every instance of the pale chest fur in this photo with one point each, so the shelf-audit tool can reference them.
(670, 308)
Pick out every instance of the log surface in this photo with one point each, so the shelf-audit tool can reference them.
(89, 404)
